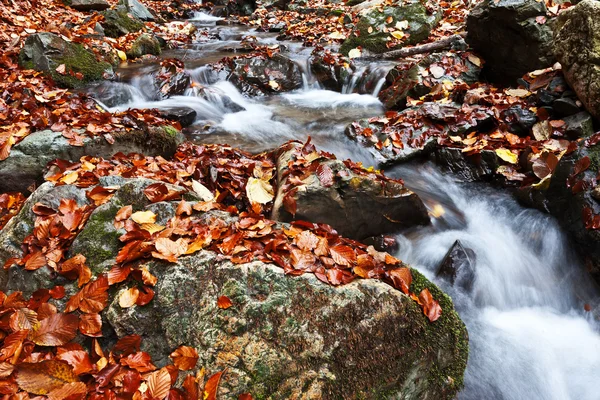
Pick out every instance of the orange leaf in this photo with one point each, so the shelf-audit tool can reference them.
(13, 344)
(45, 376)
(402, 278)
(92, 299)
(56, 330)
(224, 302)
(78, 359)
(129, 297)
(68, 390)
(190, 387)
(139, 361)
(159, 384)
(431, 308)
(343, 255)
(212, 386)
(90, 325)
(185, 358)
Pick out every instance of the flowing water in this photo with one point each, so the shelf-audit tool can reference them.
(530, 337)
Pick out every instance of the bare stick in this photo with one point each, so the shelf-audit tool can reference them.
(424, 48)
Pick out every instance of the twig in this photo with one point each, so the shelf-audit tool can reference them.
(424, 48)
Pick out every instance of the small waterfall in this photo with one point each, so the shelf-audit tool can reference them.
(367, 78)
(530, 337)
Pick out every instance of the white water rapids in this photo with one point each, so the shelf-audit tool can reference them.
(530, 337)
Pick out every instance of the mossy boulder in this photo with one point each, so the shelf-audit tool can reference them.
(88, 5)
(144, 44)
(285, 337)
(577, 47)
(46, 52)
(369, 32)
(118, 23)
(136, 9)
(295, 337)
(28, 159)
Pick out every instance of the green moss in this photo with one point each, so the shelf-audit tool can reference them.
(79, 60)
(118, 23)
(170, 130)
(144, 44)
(449, 321)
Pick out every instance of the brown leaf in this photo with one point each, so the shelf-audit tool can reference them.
(128, 297)
(139, 361)
(13, 344)
(212, 386)
(581, 165)
(56, 330)
(224, 302)
(92, 299)
(68, 390)
(146, 294)
(45, 376)
(6, 369)
(90, 325)
(431, 308)
(78, 359)
(325, 175)
(343, 255)
(185, 358)
(159, 384)
(190, 388)
(402, 278)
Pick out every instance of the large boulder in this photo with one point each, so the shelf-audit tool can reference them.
(89, 5)
(373, 29)
(512, 36)
(144, 44)
(118, 23)
(331, 71)
(356, 203)
(27, 160)
(261, 75)
(136, 9)
(47, 52)
(284, 336)
(577, 48)
(297, 337)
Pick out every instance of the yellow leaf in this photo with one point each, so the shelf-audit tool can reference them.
(517, 92)
(274, 85)
(129, 297)
(354, 53)
(259, 191)
(397, 34)
(69, 178)
(202, 191)
(152, 228)
(507, 155)
(336, 35)
(144, 217)
(474, 59)
(122, 55)
(45, 376)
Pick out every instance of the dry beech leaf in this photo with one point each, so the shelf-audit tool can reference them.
(144, 217)
(185, 358)
(128, 297)
(45, 376)
(212, 386)
(259, 191)
(56, 330)
(224, 302)
(159, 384)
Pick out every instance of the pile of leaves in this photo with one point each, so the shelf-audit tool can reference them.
(230, 178)
(306, 161)
(241, 184)
(482, 117)
(40, 353)
(10, 205)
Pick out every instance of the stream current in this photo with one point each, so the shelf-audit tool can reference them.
(530, 337)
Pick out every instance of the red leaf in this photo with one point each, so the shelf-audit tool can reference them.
(223, 302)
(581, 165)
(325, 175)
(212, 386)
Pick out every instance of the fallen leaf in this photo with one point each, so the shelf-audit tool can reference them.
(223, 302)
(259, 191)
(128, 297)
(56, 330)
(144, 217)
(507, 155)
(185, 358)
(45, 376)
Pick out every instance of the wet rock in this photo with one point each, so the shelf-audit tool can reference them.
(261, 75)
(172, 84)
(576, 39)
(357, 206)
(184, 115)
(328, 70)
(46, 51)
(565, 107)
(225, 8)
(215, 95)
(568, 205)
(458, 266)
(28, 159)
(416, 130)
(421, 21)
(117, 23)
(388, 244)
(416, 79)
(506, 34)
(469, 168)
(520, 120)
(136, 9)
(89, 5)
(579, 125)
(145, 44)
(112, 94)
